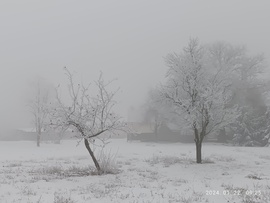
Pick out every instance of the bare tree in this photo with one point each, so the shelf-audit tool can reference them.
(89, 115)
(39, 107)
(198, 92)
(154, 112)
(153, 117)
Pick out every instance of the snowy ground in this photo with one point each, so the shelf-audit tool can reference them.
(149, 172)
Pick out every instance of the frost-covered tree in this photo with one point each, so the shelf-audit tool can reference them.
(38, 105)
(252, 129)
(154, 112)
(89, 112)
(199, 91)
(248, 87)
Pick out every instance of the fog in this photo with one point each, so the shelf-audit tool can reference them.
(126, 40)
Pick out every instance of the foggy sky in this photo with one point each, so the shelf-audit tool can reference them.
(125, 39)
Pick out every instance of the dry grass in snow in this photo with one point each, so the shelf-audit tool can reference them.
(136, 172)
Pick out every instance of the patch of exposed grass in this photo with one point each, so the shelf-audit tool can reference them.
(186, 198)
(179, 182)
(148, 174)
(49, 172)
(259, 194)
(253, 199)
(225, 159)
(100, 190)
(233, 189)
(254, 176)
(171, 160)
(26, 190)
(62, 198)
(168, 160)
(75, 170)
(207, 160)
(15, 164)
(267, 157)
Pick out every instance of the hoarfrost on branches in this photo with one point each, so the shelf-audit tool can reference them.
(90, 115)
(199, 91)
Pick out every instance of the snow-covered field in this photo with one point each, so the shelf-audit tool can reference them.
(149, 172)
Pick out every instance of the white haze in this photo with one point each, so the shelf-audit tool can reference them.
(126, 40)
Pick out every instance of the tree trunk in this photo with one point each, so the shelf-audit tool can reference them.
(199, 152)
(156, 134)
(198, 142)
(38, 135)
(86, 143)
(38, 139)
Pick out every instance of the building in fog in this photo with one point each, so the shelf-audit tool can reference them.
(30, 134)
(166, 132)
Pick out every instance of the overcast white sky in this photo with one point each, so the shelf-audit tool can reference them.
(125, 39)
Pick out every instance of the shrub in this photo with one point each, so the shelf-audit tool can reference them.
(107, 162)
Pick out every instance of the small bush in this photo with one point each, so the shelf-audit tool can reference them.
(107, 162)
